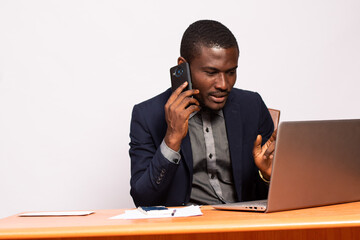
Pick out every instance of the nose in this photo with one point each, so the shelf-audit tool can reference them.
(221, 82)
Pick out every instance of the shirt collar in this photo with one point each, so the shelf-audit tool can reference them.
(218, 112)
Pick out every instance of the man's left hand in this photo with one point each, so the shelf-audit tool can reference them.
(263, 155)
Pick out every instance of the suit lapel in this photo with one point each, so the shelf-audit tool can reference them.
(234, 132)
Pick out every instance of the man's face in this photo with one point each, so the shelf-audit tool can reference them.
(213, 73)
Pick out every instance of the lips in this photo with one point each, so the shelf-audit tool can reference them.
(218, 97)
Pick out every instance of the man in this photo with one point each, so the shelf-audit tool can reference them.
(197, 146)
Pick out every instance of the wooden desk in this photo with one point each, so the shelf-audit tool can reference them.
(330, 222)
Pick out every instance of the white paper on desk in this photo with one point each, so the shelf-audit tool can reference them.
(56, 214)
(179, 212)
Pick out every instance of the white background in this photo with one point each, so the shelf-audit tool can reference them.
(71, 71)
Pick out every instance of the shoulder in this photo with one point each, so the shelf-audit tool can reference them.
(241, 96)
(156, 102)
(151, 111)
(245, 101)
(148, 119)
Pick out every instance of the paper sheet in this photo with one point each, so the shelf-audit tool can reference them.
(177, 212)
(56, 214)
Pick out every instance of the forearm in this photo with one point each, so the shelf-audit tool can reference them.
(150, 179)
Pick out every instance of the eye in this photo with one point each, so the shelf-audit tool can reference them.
(210, 73)
(232, 72)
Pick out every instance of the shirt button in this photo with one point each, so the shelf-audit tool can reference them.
(207, 129)
(212, 176)
(210, 155)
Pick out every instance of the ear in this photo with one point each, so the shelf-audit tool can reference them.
(181, 60)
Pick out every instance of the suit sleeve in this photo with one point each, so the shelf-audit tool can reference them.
(151, 172)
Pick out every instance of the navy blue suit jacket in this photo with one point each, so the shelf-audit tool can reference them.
(157, 181)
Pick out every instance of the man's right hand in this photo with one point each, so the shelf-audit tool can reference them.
(177, 112)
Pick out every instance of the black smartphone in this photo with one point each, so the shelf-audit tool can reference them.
(156, 210)
(180, 74)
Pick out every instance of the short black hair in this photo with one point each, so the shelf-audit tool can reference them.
(207, 33)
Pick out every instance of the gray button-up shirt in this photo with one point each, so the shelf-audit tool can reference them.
(212, 172)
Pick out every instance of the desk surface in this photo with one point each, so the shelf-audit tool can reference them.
(343, 219)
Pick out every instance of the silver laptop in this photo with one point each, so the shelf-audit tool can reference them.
(315, 163)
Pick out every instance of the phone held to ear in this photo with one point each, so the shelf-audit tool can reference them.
(180, 74)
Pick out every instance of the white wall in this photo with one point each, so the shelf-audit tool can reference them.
(70, 72)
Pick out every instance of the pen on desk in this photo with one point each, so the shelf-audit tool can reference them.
(173, 213)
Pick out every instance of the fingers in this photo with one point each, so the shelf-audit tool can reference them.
(181, 88)
(177, 92)
(270, 145)
(184, 104)
(180, 101)
(185, 99)
(269, 151)
(264, 155)
(257, 146)
(191, 106)
(177, 112)
(273, 136)
(258, 141)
